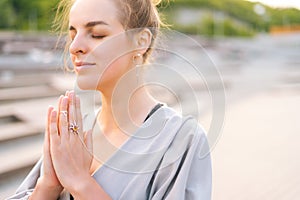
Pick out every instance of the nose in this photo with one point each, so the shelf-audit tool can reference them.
(78, 45)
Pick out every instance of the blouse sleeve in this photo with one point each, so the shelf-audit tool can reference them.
(189, 177)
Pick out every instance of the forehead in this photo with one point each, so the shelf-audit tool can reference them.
(84, 11)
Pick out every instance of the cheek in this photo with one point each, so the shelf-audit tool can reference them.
(117, 68)
(113, 58)
(113, 49)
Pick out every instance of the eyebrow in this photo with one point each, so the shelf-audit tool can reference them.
(91, 24)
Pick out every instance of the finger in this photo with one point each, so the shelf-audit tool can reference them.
(50, 109)
(74, 122)
(54, 136)
(72, 117)
(59, 102)
(78, 115)
(89, 141)
(47, 130)
(63, 122)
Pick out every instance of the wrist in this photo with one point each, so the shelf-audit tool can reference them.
(78, 187)
(45, 184)
(45, 191)
(88, 188)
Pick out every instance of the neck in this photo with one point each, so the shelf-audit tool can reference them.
(124, 109)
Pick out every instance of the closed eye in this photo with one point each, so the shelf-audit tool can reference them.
(98, 36)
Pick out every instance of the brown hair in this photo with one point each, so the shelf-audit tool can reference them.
(133, 14)
(137, 14)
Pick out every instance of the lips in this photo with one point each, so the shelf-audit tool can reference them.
(80, 65)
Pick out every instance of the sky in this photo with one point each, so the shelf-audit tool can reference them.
(280, 3)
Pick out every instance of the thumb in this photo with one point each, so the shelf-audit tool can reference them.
(88, 140)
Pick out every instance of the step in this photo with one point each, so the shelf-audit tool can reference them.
(9, 80)
(33, 112)
(31, 92)
(12, 131)
(20, 153)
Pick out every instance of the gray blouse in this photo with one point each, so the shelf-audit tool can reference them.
(166, 158)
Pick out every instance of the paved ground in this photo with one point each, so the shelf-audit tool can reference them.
(257, 156)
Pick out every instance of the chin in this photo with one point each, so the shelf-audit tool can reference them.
(86, 84)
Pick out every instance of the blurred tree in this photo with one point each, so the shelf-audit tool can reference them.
(27, 14)
(7, 14)
(238, 10)
(38, 14)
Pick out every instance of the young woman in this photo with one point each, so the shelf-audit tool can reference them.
(142, 148)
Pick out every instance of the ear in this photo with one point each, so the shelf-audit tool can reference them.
(143, 40)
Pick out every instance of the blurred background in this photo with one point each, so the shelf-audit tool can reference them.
(254, 45)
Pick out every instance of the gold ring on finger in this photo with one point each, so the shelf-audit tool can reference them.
(74, 128)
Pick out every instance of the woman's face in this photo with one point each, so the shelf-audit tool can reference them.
(100, 51)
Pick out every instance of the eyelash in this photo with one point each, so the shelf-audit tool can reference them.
(98, 36)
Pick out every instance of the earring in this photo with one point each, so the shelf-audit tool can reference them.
(137, 60)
